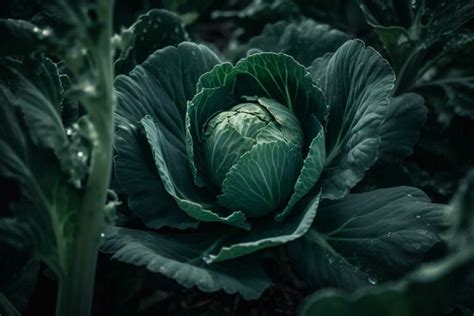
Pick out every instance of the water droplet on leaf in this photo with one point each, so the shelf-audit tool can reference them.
(372, 280)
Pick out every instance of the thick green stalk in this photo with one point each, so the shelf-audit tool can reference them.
(76, 289)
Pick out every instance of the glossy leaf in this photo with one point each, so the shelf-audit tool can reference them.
(179, 256)
(312, 168)
(425, 292)
(357, 83)
(262, 179)
(368, 238)
(173, 169)
(159, 88)
(266, 234)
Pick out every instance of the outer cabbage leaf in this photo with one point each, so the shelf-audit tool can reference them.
(179, 256)
(425, 293)
(357, 83)
(161, 88)
(304, 41)
(435, 287)
(266, 234)
(312, 168)
(173, 168)
(368, 238)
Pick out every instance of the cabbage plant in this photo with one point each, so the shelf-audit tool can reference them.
(226, 162)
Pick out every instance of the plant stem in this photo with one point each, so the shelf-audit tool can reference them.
(77, 287)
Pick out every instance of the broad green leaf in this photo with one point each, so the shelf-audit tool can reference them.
(47, 205)
(38, 92)
(161, 88)
(401, 127)
(222, 75)
(304, 41)
(368, 238)
(251, 184)
(426, 292)
(266, 234)
(357, 83)
(179, 256)
(172, 165)
(312, 167)
(154, 30)
(137, 175)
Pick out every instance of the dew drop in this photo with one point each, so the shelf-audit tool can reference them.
(409, 195)
(36, 29)
(402, 39)
(418, 216)
(45, 32)
(102, 235)
(68, 131)
(389, 234)
(89, 88)
(372, 280)
(80, 154)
